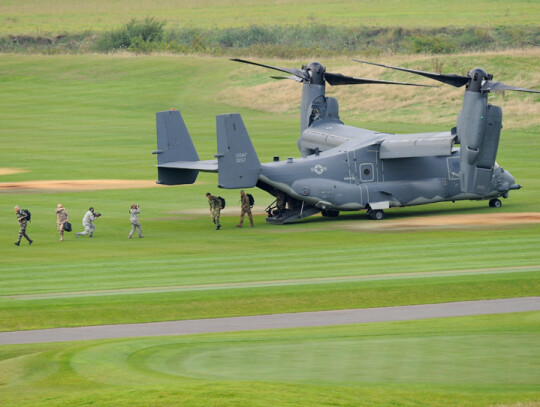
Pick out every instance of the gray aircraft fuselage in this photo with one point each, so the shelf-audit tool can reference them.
(351, 176)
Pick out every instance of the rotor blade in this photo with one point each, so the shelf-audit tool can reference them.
(296, 72)
(335, 79)
(490, 86)
(294, 78)
(450, 79)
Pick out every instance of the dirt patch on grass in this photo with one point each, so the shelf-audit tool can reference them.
(451, 221)
(11, 171)
(233, 209)
(75, 185)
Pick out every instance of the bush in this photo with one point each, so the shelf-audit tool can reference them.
(137, 35)
(428, 44)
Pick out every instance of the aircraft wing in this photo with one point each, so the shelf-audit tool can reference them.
(205, 166)
(417, 145)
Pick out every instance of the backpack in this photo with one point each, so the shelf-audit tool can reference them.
(222, 200)
(27, 213)
(251, 200)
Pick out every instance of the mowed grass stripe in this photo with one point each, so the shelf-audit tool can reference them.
(132, 274)
(281, 256)
(275, 283)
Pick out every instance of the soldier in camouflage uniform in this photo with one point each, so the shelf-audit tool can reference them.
(23, 221)
(246, 209)
(61, 218)
(215, 209)
(281, 201)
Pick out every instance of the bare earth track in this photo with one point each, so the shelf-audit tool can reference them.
(75, 185)
(439, 221)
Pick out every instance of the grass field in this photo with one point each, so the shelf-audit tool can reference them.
(58, 16)
(92, 117)
(471, 361)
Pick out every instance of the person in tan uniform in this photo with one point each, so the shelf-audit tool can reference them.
(61, 218)
(246, 209)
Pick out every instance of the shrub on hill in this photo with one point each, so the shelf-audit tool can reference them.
(136, 35)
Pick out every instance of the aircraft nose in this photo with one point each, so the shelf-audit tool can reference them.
(508, 182)
(508, 178)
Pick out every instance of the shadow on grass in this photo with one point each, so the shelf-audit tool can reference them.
(395, 214)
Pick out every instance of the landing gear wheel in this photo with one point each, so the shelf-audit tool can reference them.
(495, 203)
(329, 213)
(377, 214)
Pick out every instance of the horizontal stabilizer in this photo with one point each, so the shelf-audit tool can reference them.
(238, 164)
(205, 166)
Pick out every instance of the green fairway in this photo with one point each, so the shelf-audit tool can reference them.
(59, 16)
(470, 361)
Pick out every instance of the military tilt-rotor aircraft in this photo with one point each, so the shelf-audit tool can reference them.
(345, 168)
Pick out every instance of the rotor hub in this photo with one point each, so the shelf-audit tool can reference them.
(316, 71)
(477, 78)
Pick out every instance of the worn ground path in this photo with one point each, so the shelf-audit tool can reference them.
(294, 320)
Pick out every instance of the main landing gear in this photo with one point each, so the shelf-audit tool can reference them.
(377, 214)
(495, 203)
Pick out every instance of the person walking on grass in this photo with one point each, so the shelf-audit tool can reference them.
(134, 219)
(88, 223)
(215, 209)
(61, 218)
(245, 205)
(23, 216)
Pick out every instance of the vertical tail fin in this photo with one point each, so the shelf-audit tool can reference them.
(173, 140)
(174, 144)
(238, 164)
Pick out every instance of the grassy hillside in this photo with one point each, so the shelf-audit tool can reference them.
(60, 16)
(274, 29)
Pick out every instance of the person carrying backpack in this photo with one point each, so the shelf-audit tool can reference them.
(215, 208)
(23, 216)
(245, 204)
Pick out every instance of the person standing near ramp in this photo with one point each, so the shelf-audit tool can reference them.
(245, 205)
(134, 219)
(22, 218)
(61, 218)
(215, 209)
(88, 219)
